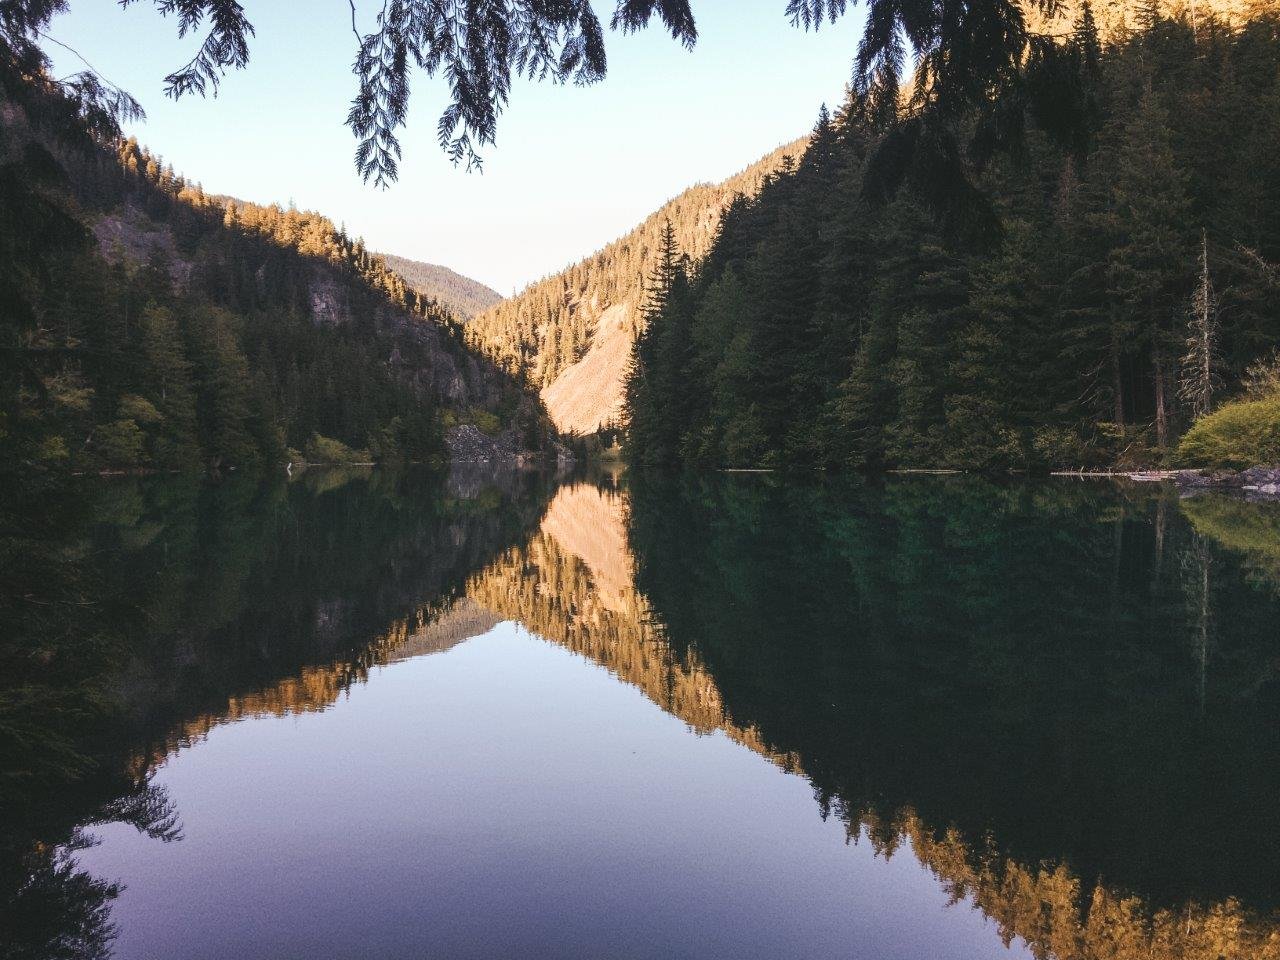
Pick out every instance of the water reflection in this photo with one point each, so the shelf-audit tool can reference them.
(1058, 698)
(1063, 697)
(136, 615)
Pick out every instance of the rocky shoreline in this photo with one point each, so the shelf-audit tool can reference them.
(1254, 483)
(470, 444)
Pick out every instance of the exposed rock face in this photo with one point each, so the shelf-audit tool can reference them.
(1255, 482)
(589, 394)
(424, 354)
(469, 444)
(594, 303)
(129, 237)
(420, 351)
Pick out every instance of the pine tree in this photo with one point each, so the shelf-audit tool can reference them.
(649, 433)
(1147, 265)
(223, 390)
(169, 387)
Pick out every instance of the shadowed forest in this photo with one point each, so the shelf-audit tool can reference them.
(1079, 304)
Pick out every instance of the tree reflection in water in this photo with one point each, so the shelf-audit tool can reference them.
(1059, 698)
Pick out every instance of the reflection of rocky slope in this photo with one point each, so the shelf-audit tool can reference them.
(792, 661)
(178, 606)
(1061, 917)
(572, 585)
(344, 578)
(430, 629)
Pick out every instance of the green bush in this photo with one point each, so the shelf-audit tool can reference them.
(120, 443)
(486, 422)
(1240, 434)
(327, 450)
(139, 409)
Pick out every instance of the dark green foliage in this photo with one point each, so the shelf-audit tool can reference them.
(981, 56)
(662, 356)
(839, 323)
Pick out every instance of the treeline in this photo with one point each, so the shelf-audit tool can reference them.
(184, 207)
(461, 296)
(547, 327)
(154, 325)
(1108, 282)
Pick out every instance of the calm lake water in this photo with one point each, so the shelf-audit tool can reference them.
(373, 715)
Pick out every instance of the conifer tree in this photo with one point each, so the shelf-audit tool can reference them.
(168, 375)
(1147, 265)
(654, 361)
(1058, 345)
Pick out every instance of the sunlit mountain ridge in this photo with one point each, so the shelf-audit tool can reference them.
(571, 333)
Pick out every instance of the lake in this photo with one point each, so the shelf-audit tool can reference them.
(369, 714)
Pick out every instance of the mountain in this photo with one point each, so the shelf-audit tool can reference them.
(461, 296)
(1062, 310)
(570, 334)
(147, 324)
(1116, 18)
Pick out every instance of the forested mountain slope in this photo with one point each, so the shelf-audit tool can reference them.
(571, 333)
(461, 296)
(1117, 18)
(146, 323)
(841, 319)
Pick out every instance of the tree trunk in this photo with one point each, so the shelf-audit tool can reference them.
(1117, 381)
(1162, 414)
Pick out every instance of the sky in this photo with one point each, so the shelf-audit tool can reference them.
(573, 168)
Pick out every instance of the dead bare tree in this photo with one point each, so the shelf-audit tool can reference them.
(1200, 365)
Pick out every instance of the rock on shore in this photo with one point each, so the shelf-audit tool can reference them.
(1260, 481)
(469, 444)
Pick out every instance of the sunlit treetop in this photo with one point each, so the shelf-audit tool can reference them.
(962, 52)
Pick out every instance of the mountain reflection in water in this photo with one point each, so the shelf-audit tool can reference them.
(1059, 699)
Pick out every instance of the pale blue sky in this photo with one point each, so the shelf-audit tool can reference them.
(573, 168)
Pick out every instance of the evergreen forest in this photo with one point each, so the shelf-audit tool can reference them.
(1104, 276)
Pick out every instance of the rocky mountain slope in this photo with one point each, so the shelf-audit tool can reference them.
(571, 333)
(153, 325)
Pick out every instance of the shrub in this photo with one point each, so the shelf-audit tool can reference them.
(327, 450)
(139, 409)
(486, 422)
(1262, 379)
(120, 443)
(1241, 434)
